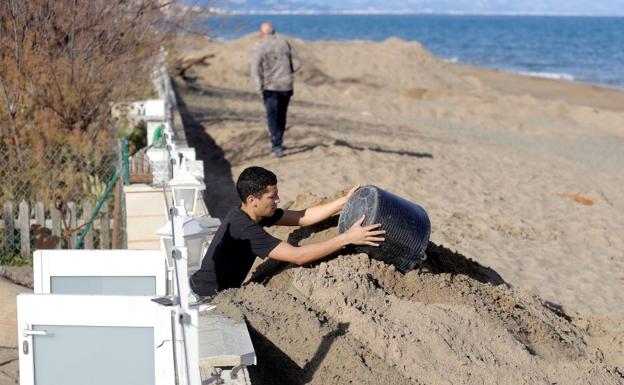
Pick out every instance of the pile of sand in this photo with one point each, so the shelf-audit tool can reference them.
(356, 320)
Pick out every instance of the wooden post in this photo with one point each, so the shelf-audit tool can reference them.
(73, 223)
(56, 225)
(24, 227)
(105, 228)
(9, 226)
(39, 214)
(86, 215)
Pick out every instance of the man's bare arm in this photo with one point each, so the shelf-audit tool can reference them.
(315, 214)
(356, 235)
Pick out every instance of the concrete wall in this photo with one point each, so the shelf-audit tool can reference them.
(146, 212)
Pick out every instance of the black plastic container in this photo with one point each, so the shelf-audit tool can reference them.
(406, 224)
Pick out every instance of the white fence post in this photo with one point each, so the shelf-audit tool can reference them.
(24, 227)
(73, 221)
(86, 215)
(39, 214)
(9, 226)
(56, 225)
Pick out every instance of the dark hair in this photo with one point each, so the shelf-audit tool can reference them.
(254, 181)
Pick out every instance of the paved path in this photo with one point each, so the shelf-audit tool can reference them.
(8, 366)
(8, 331)
(8, 315)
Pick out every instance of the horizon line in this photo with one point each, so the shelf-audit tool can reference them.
(303, 12)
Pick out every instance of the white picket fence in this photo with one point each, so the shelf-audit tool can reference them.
(57, 231)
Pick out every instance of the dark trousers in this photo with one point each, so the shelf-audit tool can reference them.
(276, 105)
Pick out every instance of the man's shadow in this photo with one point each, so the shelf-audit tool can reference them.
(276, 367)
(220, 194)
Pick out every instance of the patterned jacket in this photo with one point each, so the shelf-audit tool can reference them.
(273, 63)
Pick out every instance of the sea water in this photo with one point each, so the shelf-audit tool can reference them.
(585, 49)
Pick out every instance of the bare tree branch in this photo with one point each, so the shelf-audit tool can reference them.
(71, 58)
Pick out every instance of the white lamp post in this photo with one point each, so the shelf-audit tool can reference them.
(185, 188)
(195, 233)
(176, 236)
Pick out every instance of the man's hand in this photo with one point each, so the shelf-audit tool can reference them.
(315, 214)
(353, 190)
(343, 200)
(364, 235)
(356, 235)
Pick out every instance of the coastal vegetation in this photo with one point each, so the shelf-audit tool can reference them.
(62, 65)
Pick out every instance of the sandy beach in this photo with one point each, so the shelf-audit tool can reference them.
(521, 177)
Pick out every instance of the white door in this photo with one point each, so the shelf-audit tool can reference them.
(95, 340)
(100, 272)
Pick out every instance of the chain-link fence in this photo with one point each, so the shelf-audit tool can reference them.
(48, 195)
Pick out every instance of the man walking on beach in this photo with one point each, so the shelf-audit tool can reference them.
(241, 236)
(272, 66)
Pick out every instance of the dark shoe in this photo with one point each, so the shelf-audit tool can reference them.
(278, 152)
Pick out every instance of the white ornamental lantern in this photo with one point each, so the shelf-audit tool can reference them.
(196, 235)
(185, 188)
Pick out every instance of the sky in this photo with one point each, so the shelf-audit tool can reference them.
(583, 7)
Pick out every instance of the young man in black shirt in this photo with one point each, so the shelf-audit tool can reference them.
(242, 237)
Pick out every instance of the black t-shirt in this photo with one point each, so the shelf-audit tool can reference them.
(235, 247)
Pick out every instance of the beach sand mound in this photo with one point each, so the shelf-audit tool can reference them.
(352, 319)
(356, 320)
(335, 64)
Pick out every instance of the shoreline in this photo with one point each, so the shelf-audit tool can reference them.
(568, 90)
(224, 12)
(583, 47)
